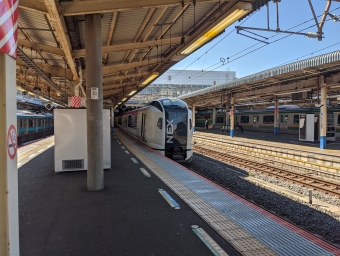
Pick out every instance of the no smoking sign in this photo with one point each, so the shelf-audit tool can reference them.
(12, 145)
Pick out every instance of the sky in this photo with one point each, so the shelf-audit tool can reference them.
(287, 50)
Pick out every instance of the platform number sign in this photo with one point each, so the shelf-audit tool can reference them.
(12, 145)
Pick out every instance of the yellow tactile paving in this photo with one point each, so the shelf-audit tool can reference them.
(248, 244)
(213, 217)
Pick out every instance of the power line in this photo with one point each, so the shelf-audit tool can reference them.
(207, 71)
(228, 58)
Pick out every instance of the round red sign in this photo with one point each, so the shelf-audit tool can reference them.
(12, 145)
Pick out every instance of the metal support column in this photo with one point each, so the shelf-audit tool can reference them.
(232, 119)
(9, 211)
(323, 114)
(214, 118)
(94, 103)
(276, 117)
(193, 117)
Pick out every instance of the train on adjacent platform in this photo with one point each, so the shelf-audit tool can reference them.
(31, 126)
(263, 120)
(164, 125)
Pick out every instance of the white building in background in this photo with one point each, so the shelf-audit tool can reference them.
(174, 83)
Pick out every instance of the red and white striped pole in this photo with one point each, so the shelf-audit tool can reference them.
(9, 219)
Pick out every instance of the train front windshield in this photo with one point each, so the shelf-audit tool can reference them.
(176, 132)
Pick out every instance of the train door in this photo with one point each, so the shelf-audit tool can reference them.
(256, 121)
(283, 123)
(142, 131)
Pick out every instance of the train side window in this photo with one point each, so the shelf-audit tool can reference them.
(339, 120)
(296, 119)
(18, 124)
(281, 119)
(30, 123)
(286, 119)
(190, 123)
(255, 119)
(160, 123)
(219, 120)
(268, 119)
(245, 119)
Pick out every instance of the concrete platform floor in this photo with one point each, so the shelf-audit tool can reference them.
(58, 216)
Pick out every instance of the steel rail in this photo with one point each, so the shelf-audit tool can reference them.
(241, 162)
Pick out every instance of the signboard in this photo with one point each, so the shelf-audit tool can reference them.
(12, 145)
(48, 106)
(76, 102)
(94, 93)
(9, 27)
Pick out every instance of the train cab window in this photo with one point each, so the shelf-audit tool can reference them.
(245, 119)
(268, 119)
(296, 119)
(157, 105)
(160, 123)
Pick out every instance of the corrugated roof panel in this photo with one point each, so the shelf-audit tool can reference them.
(296, 66)
(115, 58)
(34, 21)
(128, 23)
(106, 23)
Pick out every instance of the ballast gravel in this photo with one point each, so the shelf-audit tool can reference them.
(310, 218)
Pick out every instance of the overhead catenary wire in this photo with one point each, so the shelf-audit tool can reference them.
(228, 58)
(207, 70)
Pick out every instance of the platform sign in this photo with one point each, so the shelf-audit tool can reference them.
(9, 27)
(48, 106)
(12, 145)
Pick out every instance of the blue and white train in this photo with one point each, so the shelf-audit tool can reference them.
(32, 126)
(164, 125)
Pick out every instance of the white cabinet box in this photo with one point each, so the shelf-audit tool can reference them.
(70, 134)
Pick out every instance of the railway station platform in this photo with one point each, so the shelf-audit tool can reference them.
(58, 216)
(302, 156)
(288, 140)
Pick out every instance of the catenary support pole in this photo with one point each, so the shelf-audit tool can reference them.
(193, 117)
(323, 114)
(276, 117)
(9, 212)
(94, 103)
(214, 118)
(232, 119)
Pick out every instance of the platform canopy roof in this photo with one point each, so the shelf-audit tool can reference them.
(299, 82)
(139, 39)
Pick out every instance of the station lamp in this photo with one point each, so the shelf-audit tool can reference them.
(238, 11)
(150, 78)
(132, 93)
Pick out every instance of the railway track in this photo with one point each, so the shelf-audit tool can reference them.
(327, 187)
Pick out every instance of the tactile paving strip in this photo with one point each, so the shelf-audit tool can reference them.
(250, 231)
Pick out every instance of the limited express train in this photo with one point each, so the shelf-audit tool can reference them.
(31, 126)
(164, 125)
(263, 120)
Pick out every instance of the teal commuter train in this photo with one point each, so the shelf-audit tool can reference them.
(31, 126)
